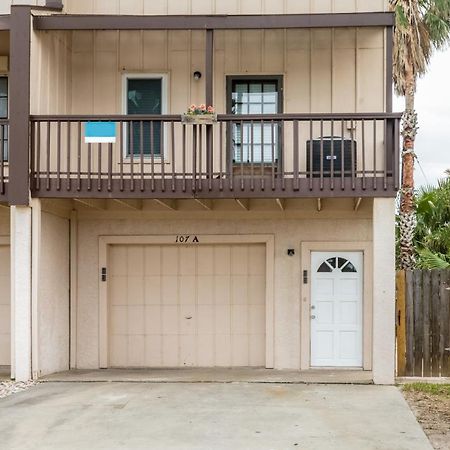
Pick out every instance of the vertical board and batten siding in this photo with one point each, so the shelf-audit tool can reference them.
(423, 323)
(221, 6)
(325, 70)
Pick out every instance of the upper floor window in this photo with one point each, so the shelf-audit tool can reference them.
(255, 142)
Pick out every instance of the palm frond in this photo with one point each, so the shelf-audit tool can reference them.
(430, 260)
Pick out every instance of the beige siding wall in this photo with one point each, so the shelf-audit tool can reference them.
(338, 223)
(51, 67)
(340, 70)
(53, 295)
(221, 6)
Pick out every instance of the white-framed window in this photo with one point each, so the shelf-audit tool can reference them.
(145, 94)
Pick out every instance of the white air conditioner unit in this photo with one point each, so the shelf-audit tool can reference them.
(4, 64)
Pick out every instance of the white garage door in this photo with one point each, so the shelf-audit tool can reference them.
(5, 307)
(177, 306)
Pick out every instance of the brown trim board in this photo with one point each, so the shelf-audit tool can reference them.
(212, 22)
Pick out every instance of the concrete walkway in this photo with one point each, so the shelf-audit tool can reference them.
(212, 416)
(214, 375)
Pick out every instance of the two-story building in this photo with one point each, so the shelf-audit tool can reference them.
(261, 236)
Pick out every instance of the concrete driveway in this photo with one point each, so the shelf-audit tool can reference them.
(209, 416)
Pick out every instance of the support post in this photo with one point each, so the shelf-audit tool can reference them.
(19, 160)
(209, 95)
(389, 66)
(21, 292)
(384, 291)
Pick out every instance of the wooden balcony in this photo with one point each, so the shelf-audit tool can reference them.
(259, 156)
(4, 169)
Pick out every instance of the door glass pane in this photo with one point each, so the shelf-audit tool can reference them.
(255, 142)
(3, 97)
(144, 96)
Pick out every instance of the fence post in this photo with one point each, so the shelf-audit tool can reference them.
(401, 322)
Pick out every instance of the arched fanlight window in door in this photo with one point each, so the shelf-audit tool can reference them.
(337, 263)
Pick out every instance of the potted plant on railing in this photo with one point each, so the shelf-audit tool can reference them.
(201, 114)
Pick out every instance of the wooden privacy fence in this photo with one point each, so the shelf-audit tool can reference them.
(423, 323)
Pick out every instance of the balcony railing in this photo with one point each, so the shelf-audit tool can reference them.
(4, 151)
(252, 156)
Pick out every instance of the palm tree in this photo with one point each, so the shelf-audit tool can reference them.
(421, 27)
(432, 234)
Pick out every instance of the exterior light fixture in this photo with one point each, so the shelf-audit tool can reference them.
(291, 252)
(197, 75)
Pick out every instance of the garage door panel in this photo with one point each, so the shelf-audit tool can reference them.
(135, 290)
(189, 306)
(169, 260)
(136, 320)
(222, 289)
(153, 351)
(169, 290)
(170, 350)
(187, 289)
(152, 290)
(136, 265)
(188, 319)
(239, 260)
(153, 320)
(223, 350)
(170, 319)
(240, 343)
(222, 260)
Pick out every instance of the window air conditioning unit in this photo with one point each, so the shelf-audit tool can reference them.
(341, 157)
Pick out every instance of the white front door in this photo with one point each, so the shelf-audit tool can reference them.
(336, 309)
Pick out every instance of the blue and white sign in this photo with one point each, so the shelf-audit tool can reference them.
(100, 132)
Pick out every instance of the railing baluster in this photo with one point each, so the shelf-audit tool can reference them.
(273, 158)
(58, 156)
(231, 150)
(321, 154)
(79, 138)
(99, 171)
(194, 157)
(262, 156)
(172, 137)
(121, 149)
(131, 151)
(342, 156)
(363, 142)
(184, 157)
(152, 154)
(163, 162)
(311, 155)
(252, 156)
(2, 158)
(37, 156)
(296, 156)
(200, 157)
(385, 154)
(352, 146)
(89, 167)
(110, 166)
(332, 157)
(242, 156)
(69, 155)
(221, 156)
(281, 155)
(48, 155)
(374, 154)
(141, 152)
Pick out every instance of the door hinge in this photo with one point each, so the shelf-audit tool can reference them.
(305, 277)
(103, 273)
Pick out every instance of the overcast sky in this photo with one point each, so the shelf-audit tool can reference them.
(433, 107)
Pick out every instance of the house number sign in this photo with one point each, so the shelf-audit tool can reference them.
(186, 239)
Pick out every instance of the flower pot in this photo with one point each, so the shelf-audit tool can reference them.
(199, 119)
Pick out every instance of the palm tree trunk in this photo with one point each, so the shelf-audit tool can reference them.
(407, 214)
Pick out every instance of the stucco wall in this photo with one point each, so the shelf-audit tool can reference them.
(53, 297)
(288, 233)
(4, 222)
